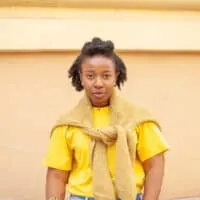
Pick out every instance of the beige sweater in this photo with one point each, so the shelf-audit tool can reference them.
(124, 117)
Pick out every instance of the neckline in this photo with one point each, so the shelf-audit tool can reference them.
(101, 108)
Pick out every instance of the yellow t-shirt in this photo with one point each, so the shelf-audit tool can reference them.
(69, 150)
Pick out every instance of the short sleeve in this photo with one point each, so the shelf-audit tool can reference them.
(150, 141)
(59, 153)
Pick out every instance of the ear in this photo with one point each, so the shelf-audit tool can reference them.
(81, 78)
(117, 76)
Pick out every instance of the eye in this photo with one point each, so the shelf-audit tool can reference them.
(106, 76)
(90, 76)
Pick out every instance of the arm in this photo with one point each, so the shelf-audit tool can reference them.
(58, 161)
(154, 170)
(151, 147)
(56, 181)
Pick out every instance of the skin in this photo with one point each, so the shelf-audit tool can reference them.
(56, 181)
(154, 172)
(98, 75)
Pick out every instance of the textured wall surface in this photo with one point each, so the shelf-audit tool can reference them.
(35, 91)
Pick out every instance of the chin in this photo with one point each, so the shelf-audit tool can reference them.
(100, 102)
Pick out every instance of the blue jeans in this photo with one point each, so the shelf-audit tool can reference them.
(90, 198)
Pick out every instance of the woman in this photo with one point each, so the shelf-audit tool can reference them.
(105, 148)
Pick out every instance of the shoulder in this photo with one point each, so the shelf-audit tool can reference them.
(64, 134)
(133, 107)
(148, 127)
(137, 112)
(60, 123)
(60, 128)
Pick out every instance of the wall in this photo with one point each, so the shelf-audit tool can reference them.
(35, 91)
(33, 29)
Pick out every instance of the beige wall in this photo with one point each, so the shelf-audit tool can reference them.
(35, 90)
(35, 29)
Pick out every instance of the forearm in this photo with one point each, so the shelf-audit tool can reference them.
(56, 184)
(153, 179)
(152, 185)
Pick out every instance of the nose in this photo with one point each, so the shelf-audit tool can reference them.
(98, 82)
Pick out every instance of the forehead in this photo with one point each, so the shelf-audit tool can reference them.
(98, 63)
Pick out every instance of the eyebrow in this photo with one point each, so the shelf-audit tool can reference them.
(91, 71)
(107, 71)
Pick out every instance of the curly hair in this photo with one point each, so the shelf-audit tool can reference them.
(97, 47)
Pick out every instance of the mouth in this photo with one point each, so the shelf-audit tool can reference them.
(98, 94)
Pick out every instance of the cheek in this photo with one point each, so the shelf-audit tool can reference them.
(111, 83)
(109, 86)
(113, 80)
(87, 84)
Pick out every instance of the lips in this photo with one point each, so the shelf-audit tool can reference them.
(98, 94)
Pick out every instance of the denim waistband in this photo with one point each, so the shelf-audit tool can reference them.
(76, 197)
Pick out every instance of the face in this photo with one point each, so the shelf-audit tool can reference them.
(98, 75)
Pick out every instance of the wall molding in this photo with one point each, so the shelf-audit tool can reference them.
(69, 29)
(121, 4)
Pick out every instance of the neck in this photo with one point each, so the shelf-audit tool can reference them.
(100, 105)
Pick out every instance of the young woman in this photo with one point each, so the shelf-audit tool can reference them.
(105, 148)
